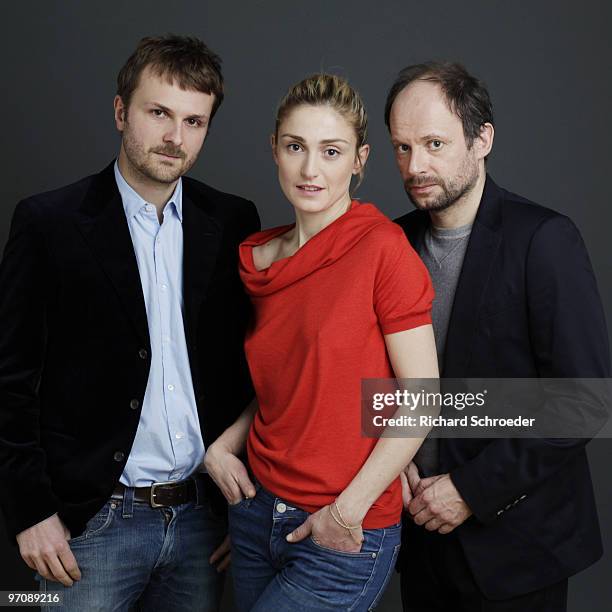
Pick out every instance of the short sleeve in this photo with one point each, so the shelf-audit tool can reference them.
(403, 291)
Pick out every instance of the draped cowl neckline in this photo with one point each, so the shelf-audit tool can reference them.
(322, 250)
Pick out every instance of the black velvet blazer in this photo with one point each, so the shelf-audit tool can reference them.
(74, 344)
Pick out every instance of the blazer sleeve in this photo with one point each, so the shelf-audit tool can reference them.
(569, 339)
(253, 224)
(26, 494)
(245, 392)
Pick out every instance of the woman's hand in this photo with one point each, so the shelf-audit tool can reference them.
(229, 473)
(326, 532)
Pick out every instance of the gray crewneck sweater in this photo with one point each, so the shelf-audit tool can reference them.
(442, 251)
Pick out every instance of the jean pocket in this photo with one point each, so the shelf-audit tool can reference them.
(336, 578)
(245, 502)
(98, 523)
(370, 547)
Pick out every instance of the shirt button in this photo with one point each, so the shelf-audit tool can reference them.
(164, 287)
(170, 387)
(281, 507)
(118, 456)
(134, 404)
(149, 208)
(179, 435)
(143, 353)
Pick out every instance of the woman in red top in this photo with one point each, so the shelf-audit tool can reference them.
(338, 296)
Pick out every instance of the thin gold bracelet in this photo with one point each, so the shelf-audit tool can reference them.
(337, 520)
(344, 523)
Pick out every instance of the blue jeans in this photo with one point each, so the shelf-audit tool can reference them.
(272, 575)
(135, 557)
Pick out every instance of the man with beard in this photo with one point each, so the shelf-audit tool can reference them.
(122, 320)
(492, 524)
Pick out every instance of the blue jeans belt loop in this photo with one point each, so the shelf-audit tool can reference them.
(128, 503)
(200, 481)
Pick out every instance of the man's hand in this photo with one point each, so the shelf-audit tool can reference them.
(325, 531)
(437, 505)
(410, 479)
(229, 473)
(44, 547)
(222, 555)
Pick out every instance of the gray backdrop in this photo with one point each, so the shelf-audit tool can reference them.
(547, 65)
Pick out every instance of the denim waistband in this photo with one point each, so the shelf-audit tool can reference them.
(287, 508)
(263, 493)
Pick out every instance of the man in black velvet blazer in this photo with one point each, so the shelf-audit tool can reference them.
(492, 524)
(85, 357)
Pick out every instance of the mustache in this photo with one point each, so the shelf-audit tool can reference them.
(418, 181)
(170, 150)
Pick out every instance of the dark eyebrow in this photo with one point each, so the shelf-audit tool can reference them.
(332, 140)
(169, 111)
(161, 106)
(433, 137)
(198, 117)
(293, 137)
(327, 141)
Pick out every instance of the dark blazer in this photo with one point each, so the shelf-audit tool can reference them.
(526, 306)
(74, 342)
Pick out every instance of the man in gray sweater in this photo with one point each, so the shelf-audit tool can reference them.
(492, 524)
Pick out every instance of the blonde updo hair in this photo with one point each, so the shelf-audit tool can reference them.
(323, 89)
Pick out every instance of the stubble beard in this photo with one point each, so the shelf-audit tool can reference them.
(453, 189)
(149, 165)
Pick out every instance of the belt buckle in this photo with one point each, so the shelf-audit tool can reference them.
(154, 486)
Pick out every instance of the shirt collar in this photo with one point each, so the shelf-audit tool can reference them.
(133, 202)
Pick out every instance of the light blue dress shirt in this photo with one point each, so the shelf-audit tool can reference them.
(168, 444)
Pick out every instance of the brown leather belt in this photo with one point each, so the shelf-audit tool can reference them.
(161, 494)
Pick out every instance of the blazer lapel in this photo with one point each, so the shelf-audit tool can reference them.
(103, 223)
(475, 272)
(201, 241)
